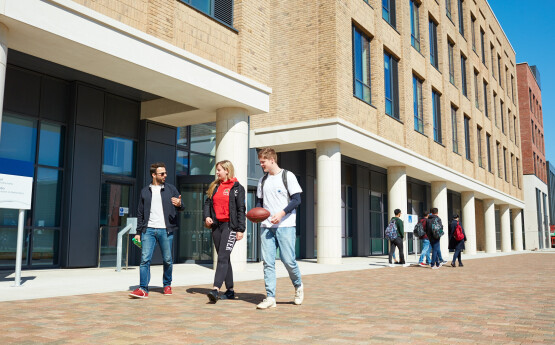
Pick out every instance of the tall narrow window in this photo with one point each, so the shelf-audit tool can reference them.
(479, 141)
(534, 155)
(509, 123)
(476, 97)
(513, 88)
(507, 80)
(505, 164)
(491, 49)
(486, 99)
(467, 138)
(518, 173)
(450, 48)
(361, 61)
(512, 169)
(463, 76)
(502, 117)
(473, 31)
(448, 9)
(455, 129)
(533, 134)
(498, 159)
(418, 105)
(483, 46)
(461, 17)
(495, 108)
(488, 149)
(391, 86)
(515, 129)
(499, 68)
(530, 99)
(436, 105)
(388, 11)
(414, 25)
(433, 44)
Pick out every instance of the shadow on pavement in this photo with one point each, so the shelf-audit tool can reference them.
(253, 298)
(4, 277)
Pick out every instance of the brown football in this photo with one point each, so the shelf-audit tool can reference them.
(258, 214)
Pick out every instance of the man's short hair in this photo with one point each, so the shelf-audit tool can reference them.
(397, 211)
(267, 153)
(155, 166)
(434, 210)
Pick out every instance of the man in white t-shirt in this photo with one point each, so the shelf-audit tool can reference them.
(280, 195)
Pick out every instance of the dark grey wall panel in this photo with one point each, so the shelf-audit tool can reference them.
(22, 91)
(55, 99)
(160, 133)
(156, 152)
(361, 233)
(121, 116)
(85, 198)
(90, 106)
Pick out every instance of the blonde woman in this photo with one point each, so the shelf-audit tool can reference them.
(224, 212)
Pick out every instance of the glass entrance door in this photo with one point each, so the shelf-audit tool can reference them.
(195, 241)
(114, 211)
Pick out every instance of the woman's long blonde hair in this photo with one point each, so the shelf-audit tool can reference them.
(227, 166)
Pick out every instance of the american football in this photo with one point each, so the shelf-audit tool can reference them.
(258, 214)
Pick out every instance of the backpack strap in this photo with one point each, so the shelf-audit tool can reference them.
(283, 178)
(264, 178)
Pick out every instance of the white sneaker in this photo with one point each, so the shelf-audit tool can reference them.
(299, 295)
(440, 264)
(269, 302)
(391, 265)
(406, 265)
(435, 267)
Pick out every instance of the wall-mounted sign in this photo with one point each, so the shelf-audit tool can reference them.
(16, 184)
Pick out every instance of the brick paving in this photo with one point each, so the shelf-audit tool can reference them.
(501, 300)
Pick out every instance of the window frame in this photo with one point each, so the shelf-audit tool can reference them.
(418, 104)
(434, 53)
(364, 39)
(436, 112)
(464, 86)
(467, 148)
(393, 74)
(454, 129)
(415, 25)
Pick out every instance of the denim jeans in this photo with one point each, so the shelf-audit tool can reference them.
(425, 251)
(283, 238)
(436, 251)
(149, 239)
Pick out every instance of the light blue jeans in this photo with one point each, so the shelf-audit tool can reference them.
(425, 251)
(283, 238)
(149, 239)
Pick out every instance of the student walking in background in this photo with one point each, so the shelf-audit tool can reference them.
(457, 237)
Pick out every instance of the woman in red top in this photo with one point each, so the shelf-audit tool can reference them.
(224, 212)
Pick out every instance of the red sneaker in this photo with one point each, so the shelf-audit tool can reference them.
(138, 293)
(167, 290)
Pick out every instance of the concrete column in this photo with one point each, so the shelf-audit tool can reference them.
(439, 201)
(328, 222)
(397, 196)
(505, 228)
(517, 230)
(3, 61)
(489, 220)
(469, 221)
(232, 143)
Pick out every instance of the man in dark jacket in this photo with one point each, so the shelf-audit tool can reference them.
(397, 242)
(425, 243)
(156, 221)
(434, 241)
(454, 244)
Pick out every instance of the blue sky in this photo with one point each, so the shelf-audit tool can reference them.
(529, 25)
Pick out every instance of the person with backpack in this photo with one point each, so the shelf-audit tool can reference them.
(457, 237)
(280, 193)
(224, 213)
(434, 231)
(420, 231)
(395, 233)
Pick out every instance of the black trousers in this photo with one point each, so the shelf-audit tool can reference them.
(458, 251)
(224, 241)
(398, 242)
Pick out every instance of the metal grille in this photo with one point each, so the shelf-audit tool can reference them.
(223, 10)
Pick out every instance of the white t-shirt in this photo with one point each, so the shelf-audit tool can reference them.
(156, 218)
(276, 198)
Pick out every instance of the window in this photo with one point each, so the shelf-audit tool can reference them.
(196, 149)
(511, 128)
(119, 156)
(495, 108)
(499, 68)
(450, 49)
(530, 99)
(454, 129)
(513, 88)
(391, 86)
(534, 155)
(486, 99)
(507, 79)
(388, 11)
(418, 105)
(436, 105)
(515, 129)
(491, 49)
(498, 159)
(414, 25)
(222, 10)
(448, 9)
(533, 135)
(361, 62)
(518, 173)
(463, 76)
(505, 164)
(479, 141)
(467, 138)
(433, 44)
(476, 97)
(512, 169)
(482, 38)
(461, 17)
(502, 116)
(473, 31)
(488, 149)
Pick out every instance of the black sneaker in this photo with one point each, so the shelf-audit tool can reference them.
(229, 294)
(460, 264)
(453, 264)
(443, 262)
(213, 296)
(398, 263)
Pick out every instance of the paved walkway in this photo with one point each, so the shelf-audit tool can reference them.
(494, 300)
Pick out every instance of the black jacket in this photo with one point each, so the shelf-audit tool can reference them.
(429, 228)
(237, 215)
(167, 192)
(452, 241)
